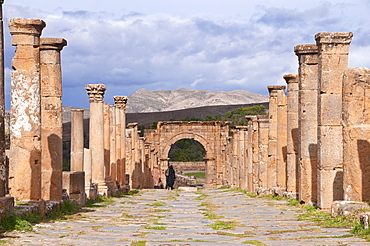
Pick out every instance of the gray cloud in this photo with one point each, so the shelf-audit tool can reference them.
(160, 51)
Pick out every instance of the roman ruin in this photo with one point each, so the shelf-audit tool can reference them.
(312, 144)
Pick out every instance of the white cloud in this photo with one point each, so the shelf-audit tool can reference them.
(133, 50)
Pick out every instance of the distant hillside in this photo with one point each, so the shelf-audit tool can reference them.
(148, 118)
(169, 100)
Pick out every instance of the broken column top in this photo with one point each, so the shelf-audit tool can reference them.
(120, 101)
(291, 78)
(304, 49)
(52, 43)
(333, 37)
(26, 31)
(95, 92)
(272, 88)
(77, 110)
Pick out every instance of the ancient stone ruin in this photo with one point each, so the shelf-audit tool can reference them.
(313, 145)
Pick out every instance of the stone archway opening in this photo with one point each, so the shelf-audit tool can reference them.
(188, 158)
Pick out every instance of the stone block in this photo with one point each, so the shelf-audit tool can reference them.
(364, 220)
(330, 109)
(7, 203)
(187, 189)
(74, 182)
(330, 146)
(348, 208)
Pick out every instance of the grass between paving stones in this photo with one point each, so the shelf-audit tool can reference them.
(138, 243)
(224, 225)
(157, 204)
(23, 222)
(255, 242)
(149, 227)
(245, 234)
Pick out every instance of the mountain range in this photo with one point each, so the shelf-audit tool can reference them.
(144, 101)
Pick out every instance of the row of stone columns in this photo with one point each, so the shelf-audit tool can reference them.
(315, 143)
(35, 159)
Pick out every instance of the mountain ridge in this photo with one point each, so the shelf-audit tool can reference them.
(145, 101)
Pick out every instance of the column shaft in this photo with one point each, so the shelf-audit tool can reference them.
(333, 60)
(77, 140)
(25, 116)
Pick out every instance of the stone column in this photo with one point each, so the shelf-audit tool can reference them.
(119, 173)
(113, 158)
(255, 153)
(77, 140)
(273, 131)
(106, 121)
(333, 60)
(263, 150)
(281, 143)
(96, 138)
(356, 134)
(3, 168)
(307, 123)
(120, 102)
(25, 118)
(249, 153)
(292, 133)
(52, 119)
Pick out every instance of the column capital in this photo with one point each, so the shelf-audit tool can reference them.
(333, 37)
(291, 78)
(120, 101)
(274, 88)
(306, 49)
(52, 43)
(95, 92)
(26, 31)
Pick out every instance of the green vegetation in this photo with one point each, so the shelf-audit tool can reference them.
(138, 243)
(255, 242)
(200, 175)
(223, 225)
(148, 227)
(23, 222)
(186, 150)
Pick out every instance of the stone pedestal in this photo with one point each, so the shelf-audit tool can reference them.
(25, 116)
(308, 122)
(333, 60)
(51, 116)
(77, 140)
(96, 138)
(292, 133)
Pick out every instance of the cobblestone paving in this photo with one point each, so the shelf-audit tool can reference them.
(162, 217)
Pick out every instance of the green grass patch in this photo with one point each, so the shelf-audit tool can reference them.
(212, 216)
(127, 215)
(157, 204)
(200, 175)
(201, 197)
(223, 225)
(138, 243)
(255, 242)
(293, 202)
(148, 227)
(324, 219)
(274, 197)
(162, 210)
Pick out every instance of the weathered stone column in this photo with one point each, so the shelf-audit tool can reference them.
(52, 119)
(356, 134)
(255, 153)
(106, 121)
(119, 174)
(25, 118)
(292, 133)
(263, 150)
(249, 153)
(96, 138)
(3, 168)
(77, 140)
(273, 131)
(113, 158)
(333, 60)
(281, 139)
(308, 122)
(120, 102)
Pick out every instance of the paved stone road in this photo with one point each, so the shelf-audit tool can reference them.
(162, 217)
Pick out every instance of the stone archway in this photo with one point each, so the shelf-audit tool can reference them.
(211, 135)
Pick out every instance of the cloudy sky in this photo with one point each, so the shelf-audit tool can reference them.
(196, 44)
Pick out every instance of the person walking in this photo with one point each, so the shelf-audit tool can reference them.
(156, 177)
(170, 177)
